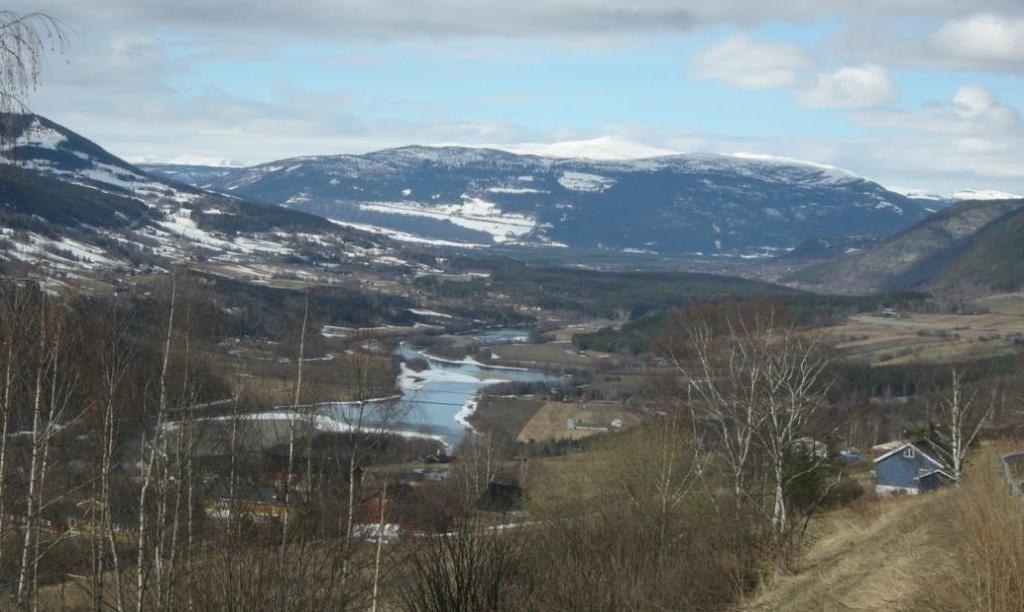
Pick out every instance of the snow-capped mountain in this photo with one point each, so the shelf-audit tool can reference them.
(961, 195)
(669, 204)
(68, 205)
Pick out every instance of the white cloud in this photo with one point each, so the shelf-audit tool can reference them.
(985, 37)
(259, 24)
(990, 42)
(743, 62)
(866, 86)
(971, 139)
(977, 103)
(974, 111)
(746, 63)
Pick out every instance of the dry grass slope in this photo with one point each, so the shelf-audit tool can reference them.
(960, 549)
(864, 557)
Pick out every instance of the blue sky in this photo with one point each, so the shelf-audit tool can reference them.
(915, 93)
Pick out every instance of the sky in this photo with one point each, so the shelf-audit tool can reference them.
(917, 94)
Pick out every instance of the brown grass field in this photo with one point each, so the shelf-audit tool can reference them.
(927, 338)
(550, 421)
(1011, 304)
(549, 354)
(507, 415)
(566, 333)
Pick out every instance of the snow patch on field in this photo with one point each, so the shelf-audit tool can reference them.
(65, 253)
(472, 213)
(404, 236)
(582, 181)
(429, 313)
(181, 224)
(889, 206)
(515, 190)
(326, 422)
(40, 136)
(254, 245)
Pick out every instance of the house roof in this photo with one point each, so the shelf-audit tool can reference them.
(943, 472)
(916, 446)
(887, 446)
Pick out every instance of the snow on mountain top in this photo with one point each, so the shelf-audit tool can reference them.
(605, 153)
(789, 161)
(606, 148)
(957, 196)
(982, 194)
(915, 194)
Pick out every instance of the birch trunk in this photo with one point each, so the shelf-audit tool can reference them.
(30, 500)
(144, 552)
(292, 424)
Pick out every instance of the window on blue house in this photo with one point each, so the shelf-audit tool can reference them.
(908, 453)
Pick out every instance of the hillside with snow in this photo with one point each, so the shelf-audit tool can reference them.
(729, 205)
(71, 207)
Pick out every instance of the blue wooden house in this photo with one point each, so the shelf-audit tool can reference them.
(911, 468)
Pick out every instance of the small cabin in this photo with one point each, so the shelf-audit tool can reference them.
(911, 468)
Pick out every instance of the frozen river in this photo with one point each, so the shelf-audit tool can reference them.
(438, 400)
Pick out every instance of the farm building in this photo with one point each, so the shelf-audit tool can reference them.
(911, 468)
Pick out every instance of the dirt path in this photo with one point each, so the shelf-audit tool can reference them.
(875, 555)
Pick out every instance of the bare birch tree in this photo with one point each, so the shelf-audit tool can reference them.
(293, 425)
(150, 474)
(114, 357)
(14, 316)
(720, 377)
(755, 389)
(793, 394)
(963, 414)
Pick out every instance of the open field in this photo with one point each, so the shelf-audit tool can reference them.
(507, 415)
(927, 338)
(612, 377)
(1010, 304)
(566, 333)
(551, 421)
(565, 480)
(550, 354)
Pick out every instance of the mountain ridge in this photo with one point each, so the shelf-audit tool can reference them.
(673, 204)
(68, 205)
(928, 254)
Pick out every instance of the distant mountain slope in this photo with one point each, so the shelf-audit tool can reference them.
(198, 176)
(969, 241)
(69, 205)
(673, 204)
(994, 257)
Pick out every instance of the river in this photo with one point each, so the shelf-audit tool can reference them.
(437, 401)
